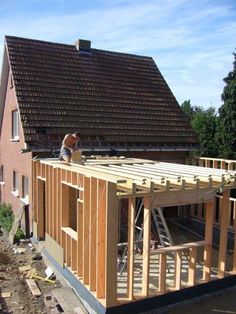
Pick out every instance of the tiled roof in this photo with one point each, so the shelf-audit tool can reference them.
(115, 97)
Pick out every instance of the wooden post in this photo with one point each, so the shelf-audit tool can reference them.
(192, 266)
(224, 223)
(178, 266)
(93, 231)
(162, 273)
(210, 214)
(111, 245)
(131, 239)
(80, 228)
(101, 239)
(41, 208)
(146, 245)
(86, 238)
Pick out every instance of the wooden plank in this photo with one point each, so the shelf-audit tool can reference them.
(146, 245)
(131, 241)
(224, 223)
(184, 197)
(180, 247)
(74, 255)
(210, 214)
(192, 266)
(162, 273)
(41, 208)
(68, 300)
(80, 226)
(24, 268)
(111, 245)
(93, 234)
(178, 266)
(70, 232)
(5, 294)
(101, 239)
(33, 287)
(86, 235)
(17, 219)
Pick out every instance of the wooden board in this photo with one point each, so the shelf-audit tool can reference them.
(68, 300)
(24, 268)
(33, 287)
(15, 225)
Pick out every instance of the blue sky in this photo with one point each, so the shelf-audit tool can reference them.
(191, 41)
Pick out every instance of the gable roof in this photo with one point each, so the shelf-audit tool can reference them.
(109, 97)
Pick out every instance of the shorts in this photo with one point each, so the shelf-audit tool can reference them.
(65, 153)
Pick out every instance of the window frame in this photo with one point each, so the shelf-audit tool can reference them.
(15, 183)
(25, 189)
(2, 182)
(15, 125)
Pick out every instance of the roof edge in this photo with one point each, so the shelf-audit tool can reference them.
(3, 84)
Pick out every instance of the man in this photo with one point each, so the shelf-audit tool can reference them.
(69, 145)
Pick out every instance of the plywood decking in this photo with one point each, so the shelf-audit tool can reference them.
(82, 211)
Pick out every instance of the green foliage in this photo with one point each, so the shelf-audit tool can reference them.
(188, 109)
(19, 235)
(204, 123)
(226, 134)
(6, 216)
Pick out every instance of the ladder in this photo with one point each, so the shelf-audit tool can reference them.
(161, 227)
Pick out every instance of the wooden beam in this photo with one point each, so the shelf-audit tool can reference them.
(131, 241)
(93, 234)
(162, 273)
(224, 223)
(80, 228)
(86, 237)
(192, 266)
(173, 198)
(101, 239)
(178, 267)
(146, 245)
(111, 245)
(209, 223)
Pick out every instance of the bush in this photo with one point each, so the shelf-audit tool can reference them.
(6, 216)
(19, 235)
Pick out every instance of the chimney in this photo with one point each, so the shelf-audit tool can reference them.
(83, 45)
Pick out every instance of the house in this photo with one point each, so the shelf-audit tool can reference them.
(78, 209)
(119, 102)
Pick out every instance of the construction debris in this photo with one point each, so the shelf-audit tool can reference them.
(33, 287)
(24, 268)
(5, 294)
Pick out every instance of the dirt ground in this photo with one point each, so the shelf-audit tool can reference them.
(13, 281)
(22, 301)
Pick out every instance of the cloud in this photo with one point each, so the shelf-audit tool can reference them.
(191, 41)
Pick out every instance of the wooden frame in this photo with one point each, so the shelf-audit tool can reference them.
(91, 244)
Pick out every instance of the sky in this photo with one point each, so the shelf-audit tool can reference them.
(191, 41)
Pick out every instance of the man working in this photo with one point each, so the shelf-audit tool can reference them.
(69, 145)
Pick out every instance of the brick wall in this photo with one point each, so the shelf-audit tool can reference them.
(11, 157)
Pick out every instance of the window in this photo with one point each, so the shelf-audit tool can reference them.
(1, 174)
(25, 183)
(15, 183)
(15, 125)
(25, 190)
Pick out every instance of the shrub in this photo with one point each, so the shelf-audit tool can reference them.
(19, 235)
(6, 216)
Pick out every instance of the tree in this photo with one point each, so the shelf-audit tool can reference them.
(204, 123)
(188, 109)
(226, 133)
